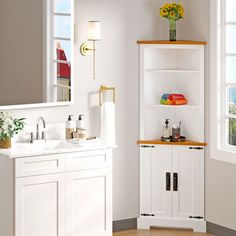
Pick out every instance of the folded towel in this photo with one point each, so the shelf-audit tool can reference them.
(176, 96)
(180, 101)
(173, 99)
(165, 96)
(107, 134)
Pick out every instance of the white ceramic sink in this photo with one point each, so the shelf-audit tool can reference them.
(50, 147)
(56, 144)
(42, 145)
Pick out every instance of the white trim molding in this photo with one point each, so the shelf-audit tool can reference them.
(218, 145)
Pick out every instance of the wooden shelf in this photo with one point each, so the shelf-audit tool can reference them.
(170, 106)
(172, 70)
(185, 143)
(171, 42)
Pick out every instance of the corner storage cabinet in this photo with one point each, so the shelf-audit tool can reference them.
(57, 195)
(171, 175)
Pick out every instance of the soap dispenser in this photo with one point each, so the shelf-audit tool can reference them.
(166, 133)
(80, 123)
(69, 127)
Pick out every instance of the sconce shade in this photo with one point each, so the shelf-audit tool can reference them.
(94, 30)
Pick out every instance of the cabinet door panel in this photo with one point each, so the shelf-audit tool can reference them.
(189, 199)
(40, 206)
(89, 203)
(154, 164)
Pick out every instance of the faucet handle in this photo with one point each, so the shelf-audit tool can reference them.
(44, 135)
(31, 137)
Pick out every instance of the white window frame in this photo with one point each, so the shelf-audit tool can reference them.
(220, 150)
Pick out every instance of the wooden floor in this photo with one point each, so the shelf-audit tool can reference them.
(159, 232)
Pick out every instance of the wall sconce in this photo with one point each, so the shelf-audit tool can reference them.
(94, 34)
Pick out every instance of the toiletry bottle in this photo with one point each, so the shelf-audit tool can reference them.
(166, 133)
(69, 127)
(80, 123)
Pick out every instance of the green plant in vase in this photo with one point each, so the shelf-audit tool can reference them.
(9, 126)
(173, 12)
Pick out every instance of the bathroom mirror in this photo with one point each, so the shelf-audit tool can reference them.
(36, 52)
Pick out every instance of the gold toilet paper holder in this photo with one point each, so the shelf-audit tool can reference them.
(103, 89)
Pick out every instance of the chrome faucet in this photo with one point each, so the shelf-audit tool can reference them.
(43, 134)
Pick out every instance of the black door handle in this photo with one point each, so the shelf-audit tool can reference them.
(145, 214)
(147, 146)
(196, 148)
(196, 217)
(168, 183)
(175, 180)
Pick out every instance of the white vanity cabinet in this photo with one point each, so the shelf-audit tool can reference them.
(172, 186)
(66, 194)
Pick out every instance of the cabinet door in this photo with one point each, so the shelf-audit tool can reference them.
(188, 168)
(155, 167)
(89, 203)
(40, 206)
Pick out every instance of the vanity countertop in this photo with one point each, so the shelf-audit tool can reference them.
(19, 150)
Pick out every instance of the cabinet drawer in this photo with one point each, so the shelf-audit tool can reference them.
(39, 165)
(88, 160)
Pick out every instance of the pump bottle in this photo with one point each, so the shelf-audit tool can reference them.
(166, 133)
(80, 123)
(69, 127)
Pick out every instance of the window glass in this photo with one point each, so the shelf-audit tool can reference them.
(63, 6)
(232, 131)
(231, 38)
(62, 50)
(64, 72)
(230, 10)
(63, 26)
(232, 100)
(231, 69)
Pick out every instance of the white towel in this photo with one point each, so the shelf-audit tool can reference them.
(107, 133)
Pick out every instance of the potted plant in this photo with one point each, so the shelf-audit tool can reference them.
(172, 12)
(9, 126)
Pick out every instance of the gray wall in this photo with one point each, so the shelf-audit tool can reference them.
(21, 43)
(123, 22)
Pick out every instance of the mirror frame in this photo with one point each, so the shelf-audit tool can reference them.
(53, 104)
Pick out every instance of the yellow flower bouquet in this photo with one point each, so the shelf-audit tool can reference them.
(173, 12)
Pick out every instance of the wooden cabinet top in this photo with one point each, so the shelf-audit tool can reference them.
(185, 143)
(171, 42)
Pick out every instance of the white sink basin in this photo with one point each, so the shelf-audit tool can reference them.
(42, 145)
(50, 147)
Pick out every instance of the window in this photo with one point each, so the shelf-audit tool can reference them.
(223, 82)
(59, 49)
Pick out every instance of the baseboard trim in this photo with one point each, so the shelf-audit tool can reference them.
(218, 230)
(212, 228)
(126, 224)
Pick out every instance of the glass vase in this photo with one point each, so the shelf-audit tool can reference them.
(172, 30)
(6, 143)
